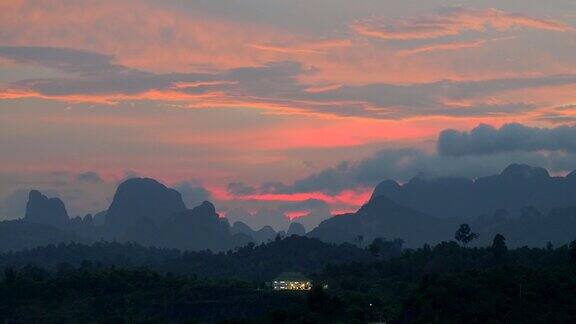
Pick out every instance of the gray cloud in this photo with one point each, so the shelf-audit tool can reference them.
(193, 193)
(240, 189)
(388, 163)
(450, 21)
(307, 204)
(486, 139)
(262, 217)
(64, 59)
(315, 211)
(329, 15)
(483, 151)
(96, 74)
(90, 177)
(274, 84)
(402, 165)
(310, 213)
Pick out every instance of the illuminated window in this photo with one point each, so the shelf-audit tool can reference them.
(292, 281)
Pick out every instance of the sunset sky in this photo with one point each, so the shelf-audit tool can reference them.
(277, 109)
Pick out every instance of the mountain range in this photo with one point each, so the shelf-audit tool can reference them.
(383, 218)
(524, 203)
(516, 187)
(143, 210)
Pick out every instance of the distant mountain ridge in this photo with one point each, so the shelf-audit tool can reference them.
(267, 233)
(382, 218)
(518, 186)
(43, 210)
(528, 227)
(142, 198)
(143, 210)
(524, 203)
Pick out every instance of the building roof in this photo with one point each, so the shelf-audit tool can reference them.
(291, 276)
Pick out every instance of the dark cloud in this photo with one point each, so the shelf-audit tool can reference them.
(193, 193)
(315, 211)
(262, 217)
(90, 176)
(310, 211)
(240, 189)
(64, 59)
(307, 204)
(96, 74)
(483, 151)
(393, 101)
(396, 163)
(486, 139)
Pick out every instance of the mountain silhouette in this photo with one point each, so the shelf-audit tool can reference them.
(524, 203)
(296, 229)
(517, 186)
(528, 227)
(142, 202)
(43, 210)
(241, 228)
(198, 228)
(265, 234)
(382, 218)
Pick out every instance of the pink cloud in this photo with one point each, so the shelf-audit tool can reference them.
(152, 37)
(351, 199)
(452, 22)
(453, 46)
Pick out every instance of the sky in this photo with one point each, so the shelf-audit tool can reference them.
(278, 110)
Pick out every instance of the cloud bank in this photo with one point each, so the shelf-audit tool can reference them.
(486, 139)
(89, 176)
(193, 193)
(483, 151)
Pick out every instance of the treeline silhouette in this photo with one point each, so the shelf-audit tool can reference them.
(111, 295)
(250, 262)
(446, 283)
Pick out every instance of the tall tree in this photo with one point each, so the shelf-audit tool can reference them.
(465, 235)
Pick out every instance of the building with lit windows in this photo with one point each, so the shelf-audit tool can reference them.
(292, 281)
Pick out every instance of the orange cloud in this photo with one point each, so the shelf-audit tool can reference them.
(152, 37)
(140, 35)
(311, 47)
(442, 47)
(449, 46)
(452, 22)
